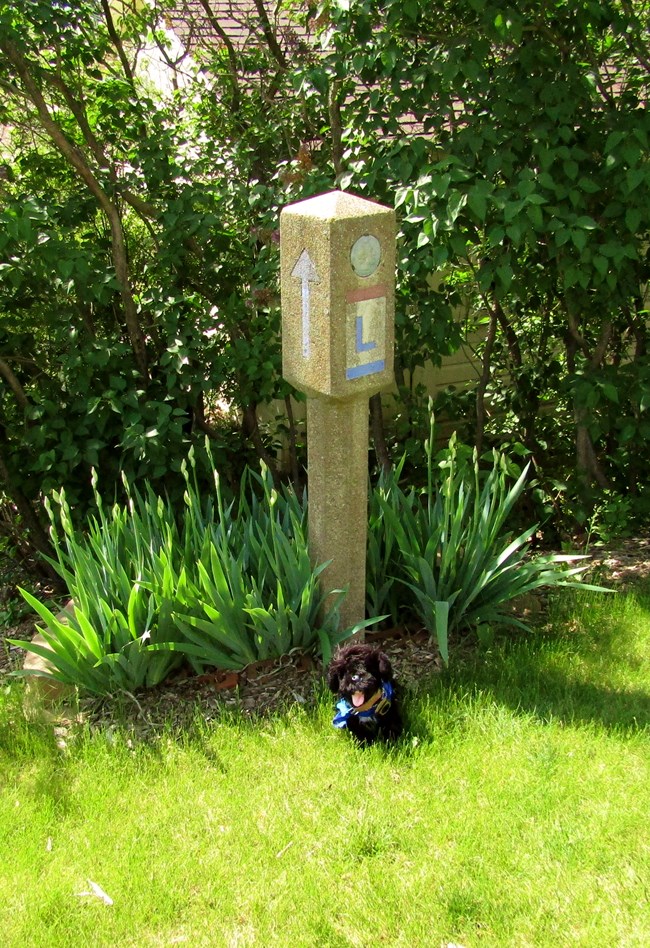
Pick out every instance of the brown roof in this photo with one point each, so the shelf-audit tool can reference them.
(243, 24)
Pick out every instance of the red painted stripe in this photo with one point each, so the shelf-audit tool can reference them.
(367, 293)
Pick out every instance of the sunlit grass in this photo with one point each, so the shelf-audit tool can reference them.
(514, 813)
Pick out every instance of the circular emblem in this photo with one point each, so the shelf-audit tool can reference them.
(365, 255)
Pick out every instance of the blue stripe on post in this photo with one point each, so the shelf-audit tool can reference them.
(361, 345)
(358, 371)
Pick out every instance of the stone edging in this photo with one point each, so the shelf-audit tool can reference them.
(42, 693)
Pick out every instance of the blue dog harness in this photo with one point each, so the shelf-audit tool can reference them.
(374, 707)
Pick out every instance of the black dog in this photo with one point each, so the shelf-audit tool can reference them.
(362, 677)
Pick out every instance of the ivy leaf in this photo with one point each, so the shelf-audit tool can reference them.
(601, 264)
(477, 204)
(633, 217)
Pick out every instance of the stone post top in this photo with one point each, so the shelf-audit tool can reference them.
(335, 204)
(337, 276)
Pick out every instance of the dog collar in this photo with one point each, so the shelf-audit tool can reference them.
(376, 706)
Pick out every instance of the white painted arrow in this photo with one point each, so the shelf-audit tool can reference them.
(306, 273)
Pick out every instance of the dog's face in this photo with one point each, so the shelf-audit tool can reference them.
(357, 671)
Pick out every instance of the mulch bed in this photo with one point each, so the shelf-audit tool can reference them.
(260, 689)
(267, 687)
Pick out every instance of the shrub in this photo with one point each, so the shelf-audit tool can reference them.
(229, 585)
(107, 642)
(249, 590)
(446, 554)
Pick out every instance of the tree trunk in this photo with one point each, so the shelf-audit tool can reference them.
(38, 539)
(484, 379)
(378, 434)
(77, 160)
(233, 65)
(12, 381)
(293, 453)
(251, 429)
(588, 465)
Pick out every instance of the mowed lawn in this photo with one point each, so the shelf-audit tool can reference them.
(515, 812)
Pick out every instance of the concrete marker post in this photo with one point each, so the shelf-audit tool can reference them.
(337, 263)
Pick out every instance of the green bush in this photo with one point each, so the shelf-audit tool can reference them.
(249, 590)
(229, 585)
(225, 585)
(445, 553)
(119, 575)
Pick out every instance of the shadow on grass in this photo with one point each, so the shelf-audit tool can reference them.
(550, 694)
(585, 666)
(28, 748)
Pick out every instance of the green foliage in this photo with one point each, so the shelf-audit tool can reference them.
(447, 554)
(249, 591)
(139, 244)
(138, 259)
(231, 585)
(228, 584)
(106, 642)
(516, 143)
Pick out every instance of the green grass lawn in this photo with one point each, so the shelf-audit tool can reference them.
(516, 812)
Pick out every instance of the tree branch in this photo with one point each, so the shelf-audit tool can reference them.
(233, 65)
(80, 115)
(575, 333)
(336, 126)
(641, 53)
(251, 429)
(117, 42)
(78, 162)
(484, 379)
(37, 536)
(602, 345)
(269, 34)
(511, 336)
(12, 381)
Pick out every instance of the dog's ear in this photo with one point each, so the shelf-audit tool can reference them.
(385, 667)
(333, 676)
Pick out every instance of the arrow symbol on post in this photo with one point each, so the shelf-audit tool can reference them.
(306, 273)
